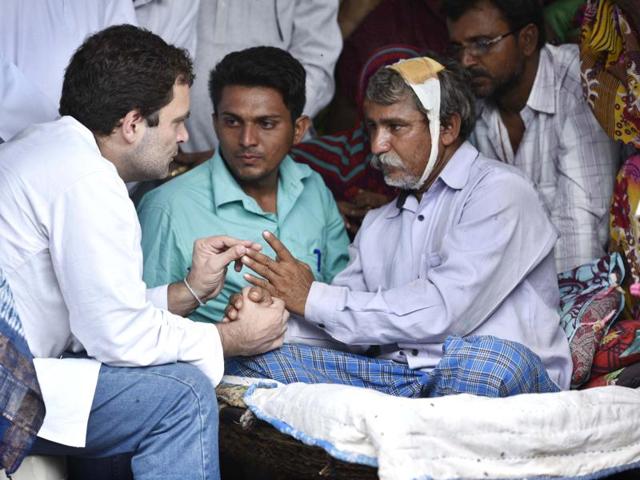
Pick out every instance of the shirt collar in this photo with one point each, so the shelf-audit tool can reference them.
(541, 97)
(456, 172)
(227, 190)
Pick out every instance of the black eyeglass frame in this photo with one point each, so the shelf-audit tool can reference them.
(480, 47)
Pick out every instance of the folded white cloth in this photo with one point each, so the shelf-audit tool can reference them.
(566, 434)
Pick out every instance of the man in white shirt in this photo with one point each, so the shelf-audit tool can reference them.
(533, 115)
(70, 244)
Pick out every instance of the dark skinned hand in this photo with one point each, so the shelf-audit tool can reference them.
(285, 277)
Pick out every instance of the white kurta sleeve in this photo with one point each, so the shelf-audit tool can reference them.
(95, 248)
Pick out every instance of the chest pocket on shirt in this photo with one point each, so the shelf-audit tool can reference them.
(427, 262)
(303, 249)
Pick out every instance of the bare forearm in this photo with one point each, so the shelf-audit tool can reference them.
(180, 300)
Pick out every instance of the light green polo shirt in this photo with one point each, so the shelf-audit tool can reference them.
(208, 201)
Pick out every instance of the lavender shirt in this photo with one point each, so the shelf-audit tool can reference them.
(473, 257)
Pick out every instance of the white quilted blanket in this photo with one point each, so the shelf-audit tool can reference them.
(567, 434)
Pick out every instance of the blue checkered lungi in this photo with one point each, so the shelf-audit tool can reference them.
(479, 365)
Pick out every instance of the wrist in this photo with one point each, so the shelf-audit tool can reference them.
(226, 340)
(200, 301)
(199, 290)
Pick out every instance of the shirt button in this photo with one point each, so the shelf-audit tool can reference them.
(415, 352)
(321, 325)
(401, 353)
(421, 217)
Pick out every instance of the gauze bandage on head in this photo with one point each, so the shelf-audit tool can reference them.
(421, 74)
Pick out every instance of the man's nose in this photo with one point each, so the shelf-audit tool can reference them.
(183, 134)
(379, 142)
(467, 59)
(248, 135)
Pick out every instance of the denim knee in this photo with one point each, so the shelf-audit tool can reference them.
(195, 389)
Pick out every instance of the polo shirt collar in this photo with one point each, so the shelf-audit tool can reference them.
(227, 190)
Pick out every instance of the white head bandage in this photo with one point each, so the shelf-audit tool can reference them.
(421, 74)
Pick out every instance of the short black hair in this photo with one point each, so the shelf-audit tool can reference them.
(261, 67)
(119, 69)
(517, 13)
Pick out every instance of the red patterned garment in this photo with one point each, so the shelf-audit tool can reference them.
(614, 351)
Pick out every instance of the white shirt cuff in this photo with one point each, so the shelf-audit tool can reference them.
(158, 296)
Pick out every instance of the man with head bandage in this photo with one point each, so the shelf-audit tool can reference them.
(453, 283)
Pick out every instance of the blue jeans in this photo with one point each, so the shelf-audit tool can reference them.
(165, 416)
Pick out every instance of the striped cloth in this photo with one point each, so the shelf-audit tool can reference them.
(21, 405)
(479, 365)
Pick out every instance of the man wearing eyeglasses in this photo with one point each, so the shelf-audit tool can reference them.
(532, 114)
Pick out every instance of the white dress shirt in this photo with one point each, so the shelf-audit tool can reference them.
(473, 257)
(564, 152)
(308, 29)
(174, 20)
(38, 38)
(70, 243)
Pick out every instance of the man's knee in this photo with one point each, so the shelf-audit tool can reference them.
(490, 366)
(193, 388)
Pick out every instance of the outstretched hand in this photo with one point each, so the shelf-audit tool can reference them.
(285, 277)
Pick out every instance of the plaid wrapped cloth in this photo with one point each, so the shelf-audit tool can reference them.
(21, 405)
(479, 365)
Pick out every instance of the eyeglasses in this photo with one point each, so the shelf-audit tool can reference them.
(479, 46)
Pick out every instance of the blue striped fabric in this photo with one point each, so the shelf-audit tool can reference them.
(21, 405)
(479, 365)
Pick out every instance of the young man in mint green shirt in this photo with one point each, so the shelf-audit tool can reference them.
(250, 184)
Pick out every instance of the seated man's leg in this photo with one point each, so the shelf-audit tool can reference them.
(166, 416)
(310, 364)
(488, 366)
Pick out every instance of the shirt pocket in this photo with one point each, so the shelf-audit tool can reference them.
(309, 250)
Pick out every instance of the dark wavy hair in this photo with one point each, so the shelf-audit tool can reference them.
(261, 67)
(119, 69)
(517, 13)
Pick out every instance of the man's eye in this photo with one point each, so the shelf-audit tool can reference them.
(230, 122)
(394, 127)
(267, 124)
(481, 44)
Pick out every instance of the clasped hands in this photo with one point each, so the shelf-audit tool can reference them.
(286, 282)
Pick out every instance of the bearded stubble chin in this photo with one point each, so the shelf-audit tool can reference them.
(394, 171)
(498, 86)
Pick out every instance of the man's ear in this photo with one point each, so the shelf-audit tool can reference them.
(132, 126)
(528, 39)
(300, 127)
(450, 132)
